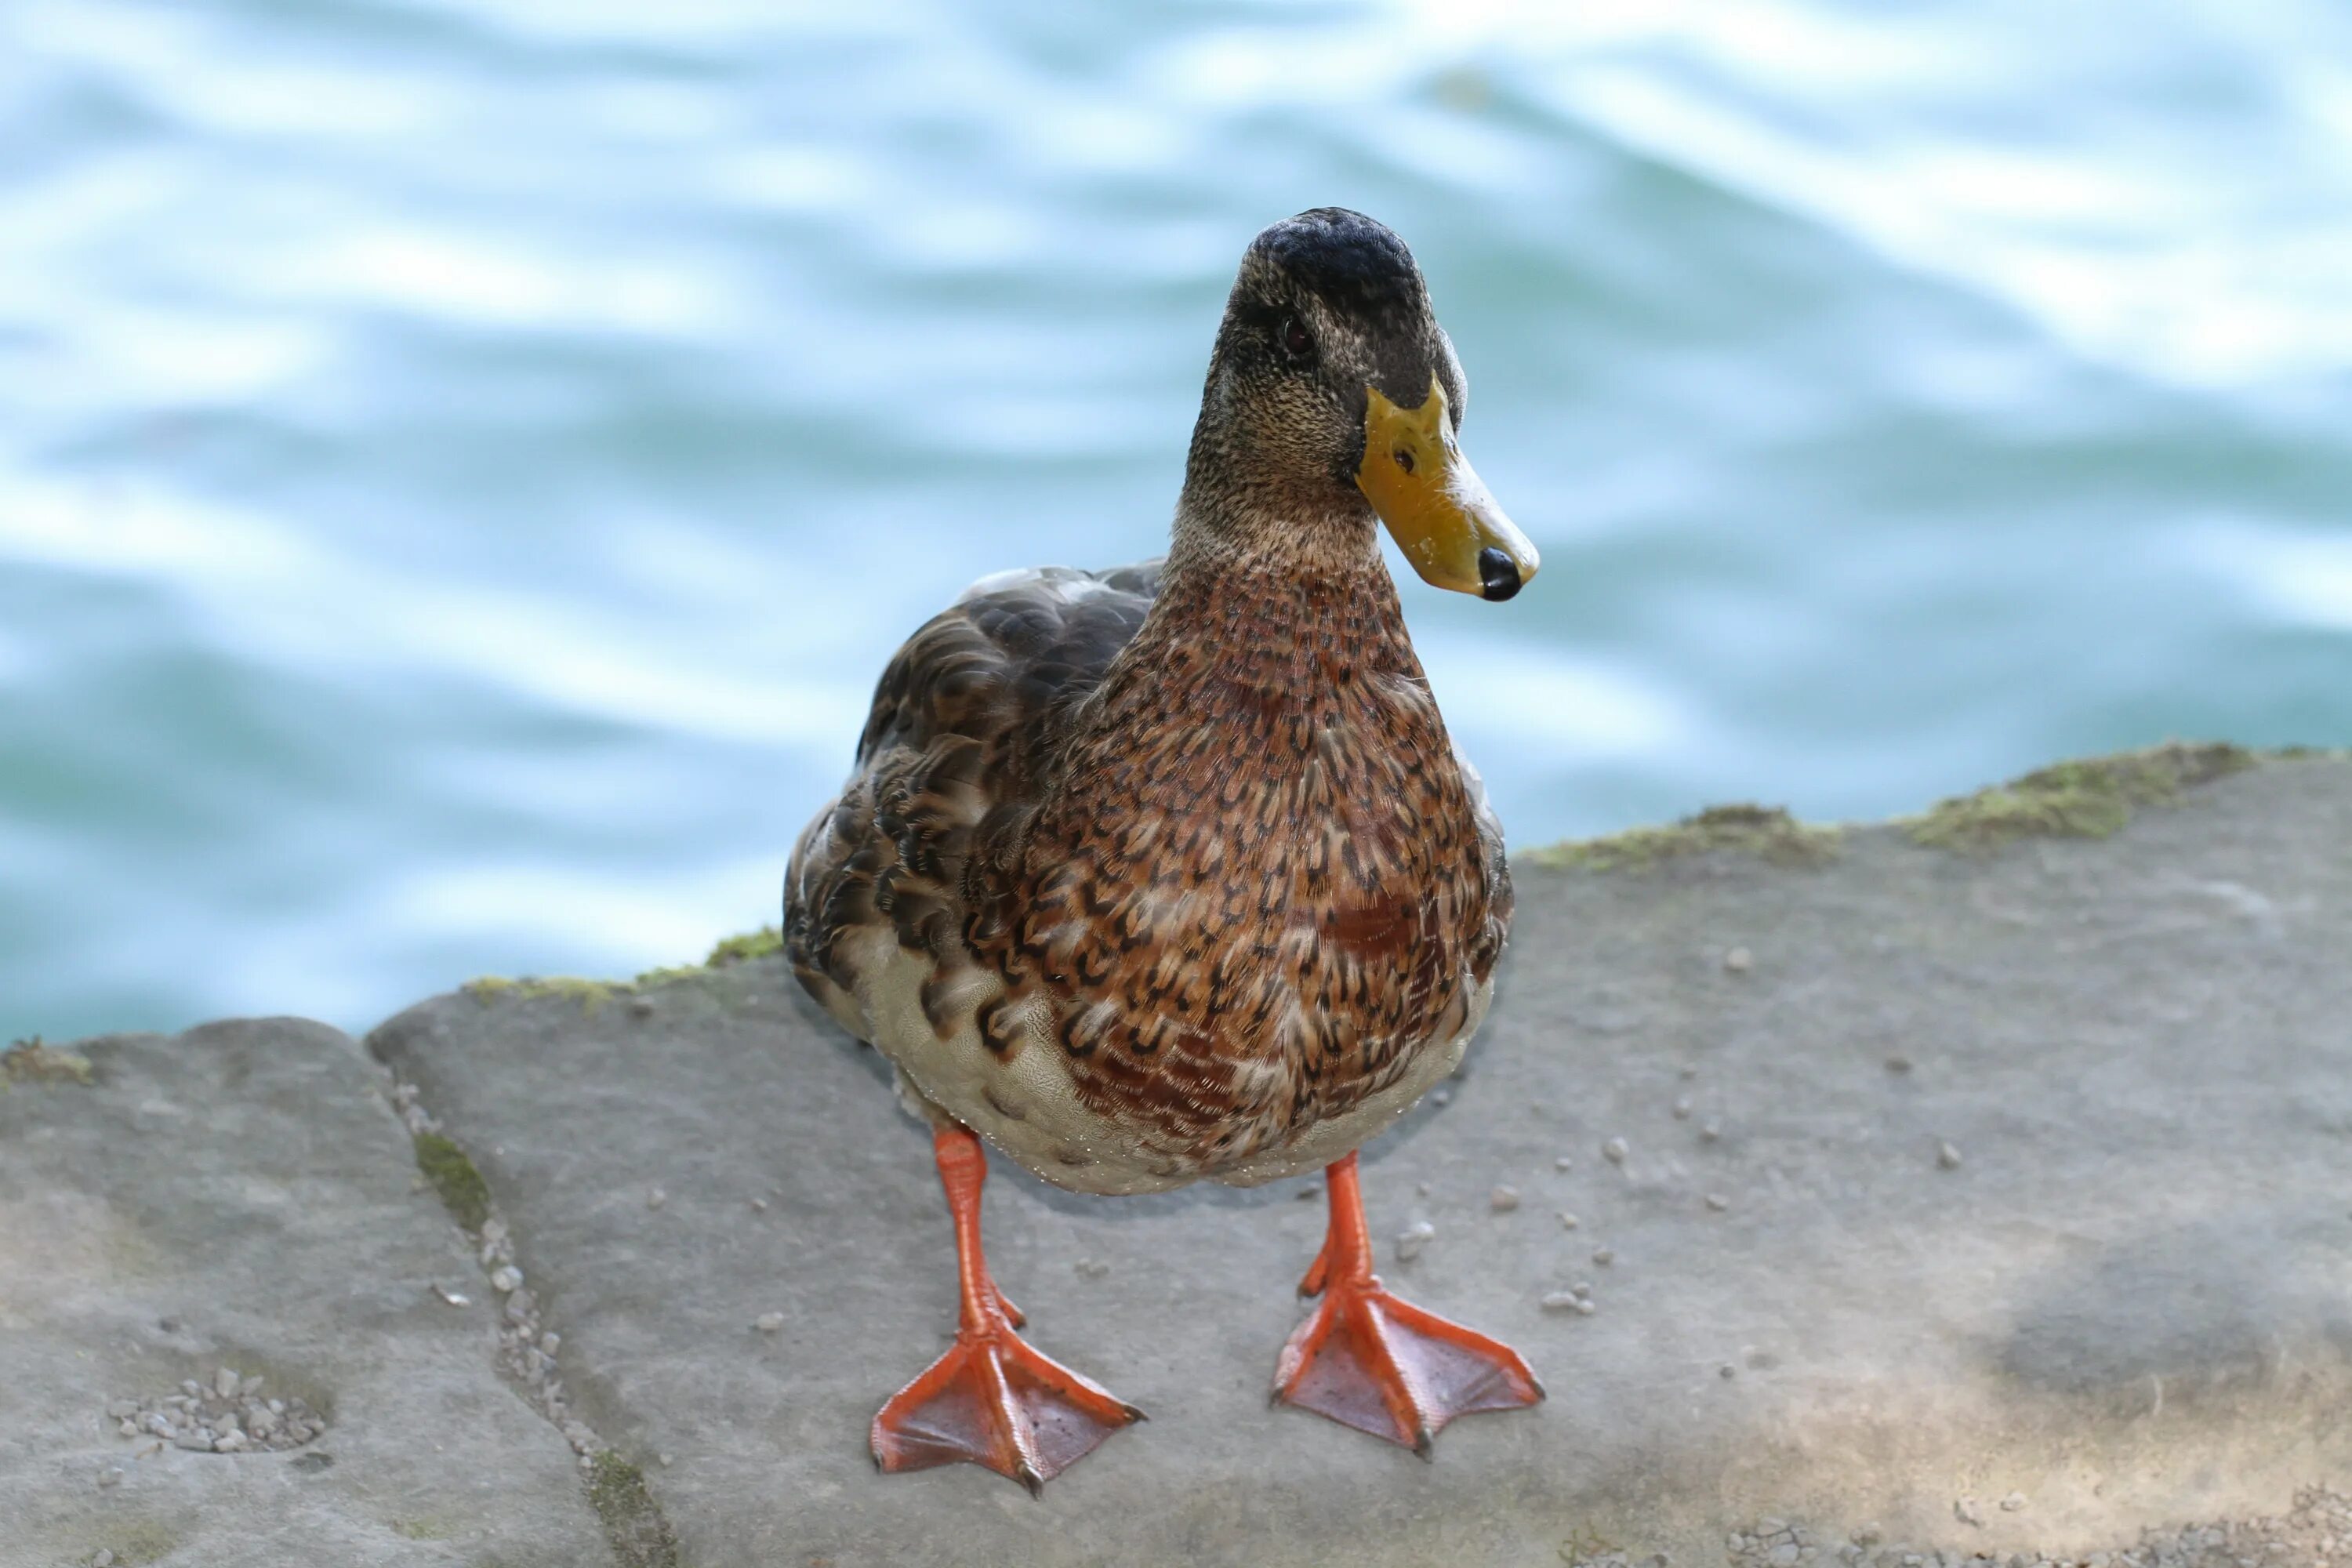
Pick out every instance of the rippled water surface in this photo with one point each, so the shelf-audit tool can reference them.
(462, 464)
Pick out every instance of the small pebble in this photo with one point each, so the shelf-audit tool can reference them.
(1948, 1157)
(196, 1441)
(656, 1198)
(118, 1408)
(454, 1297)
(550, 1342)
(228, 1442)
(1092, 1268)
(110, 1477)
(1563, 1163)
(1965, 1510)
(105, 1558)
(1311, 1190)
(1898, 1063)
(1412, 1239)
(505, 1277)
(1442, 1097)
(1503, 1200)
(1718, 1202)
(759, 1206)
(769, 1322)
(1711, 1131)
(1568, 1302)
(1727, 1372)
(225, 1383)
(1566, 1220)
(2013, 1502)
(1615, 1151)
(1682, 1109)
(1422, 1188)
(1740, 960)
(1605, 1255)
(666, 1460)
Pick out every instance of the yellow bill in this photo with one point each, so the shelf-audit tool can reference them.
(1435, 507)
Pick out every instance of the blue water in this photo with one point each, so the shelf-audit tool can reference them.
(462, 464)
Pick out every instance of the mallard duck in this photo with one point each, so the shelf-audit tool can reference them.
(1172, 872)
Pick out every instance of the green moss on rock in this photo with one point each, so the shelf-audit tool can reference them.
(1767, 831)
(463, 1192)
(640, 1536)
(30, 1061)
(593, 994)
(2086, 799)
(750, 944)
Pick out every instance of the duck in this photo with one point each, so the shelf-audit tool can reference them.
(1170, 872)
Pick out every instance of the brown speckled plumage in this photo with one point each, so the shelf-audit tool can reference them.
(1173, 871)
(1170, 872)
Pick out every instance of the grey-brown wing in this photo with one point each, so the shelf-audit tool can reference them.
(962, 731)
(1500, 899)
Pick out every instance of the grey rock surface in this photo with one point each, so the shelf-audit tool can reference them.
(1989, 1206)
(242, 1196)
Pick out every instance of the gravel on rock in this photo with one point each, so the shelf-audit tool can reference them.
(228, 1415)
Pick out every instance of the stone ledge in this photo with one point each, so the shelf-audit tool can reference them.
(241, 1197)
(1988, 1204)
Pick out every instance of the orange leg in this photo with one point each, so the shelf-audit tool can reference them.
(1370, 1361)
(990, 1400)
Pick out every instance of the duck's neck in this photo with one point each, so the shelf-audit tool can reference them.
(1259, 615)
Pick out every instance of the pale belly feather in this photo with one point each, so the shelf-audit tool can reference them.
(1025, 1103)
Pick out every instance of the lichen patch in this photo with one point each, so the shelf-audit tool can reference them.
(1766, 831)
(2091, 798)
(640, 1536)
(30, 1061)
(463, 1192)
(593, 994)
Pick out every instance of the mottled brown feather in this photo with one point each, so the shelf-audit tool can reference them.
(1192, 832)
(1215, 834)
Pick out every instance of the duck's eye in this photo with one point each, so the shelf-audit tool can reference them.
(1296, 339)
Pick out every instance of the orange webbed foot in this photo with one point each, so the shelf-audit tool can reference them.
(990, 1400)
(1368, 1360)
(1383, 1365)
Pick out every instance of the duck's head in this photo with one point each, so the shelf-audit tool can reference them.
(1332, 387)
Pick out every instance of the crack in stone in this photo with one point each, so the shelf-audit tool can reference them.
(635, 1526)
